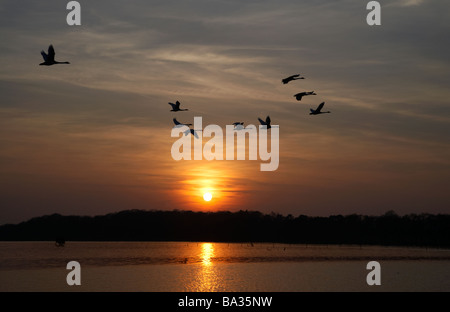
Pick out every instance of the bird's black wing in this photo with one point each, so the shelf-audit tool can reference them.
(44, 55)
(320, 106)
(290, 78)
(299, 96)
(178, 104)
(175, 121)
(268, 120)
(51, 52)
(262, 122)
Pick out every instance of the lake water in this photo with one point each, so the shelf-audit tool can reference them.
(206, 267)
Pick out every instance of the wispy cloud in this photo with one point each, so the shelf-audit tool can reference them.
(407, 3)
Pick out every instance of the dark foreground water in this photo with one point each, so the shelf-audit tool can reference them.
(181, 266)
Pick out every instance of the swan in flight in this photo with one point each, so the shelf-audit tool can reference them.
(318, 110)
(179, 124)
(265, 123)
(191, 131)
(299, 96)
(49, 59)
(238, 125)
(176, 107)
(291, 78)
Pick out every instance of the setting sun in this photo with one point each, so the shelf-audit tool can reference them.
(207, 196)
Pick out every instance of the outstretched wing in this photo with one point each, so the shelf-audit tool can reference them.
(177, 105)
(287, 79)
(268, 120)
(51, 53)
(175, 121)
(44, 55)
(320, 107)
(299, 96)
(262, 122)
(173, 105)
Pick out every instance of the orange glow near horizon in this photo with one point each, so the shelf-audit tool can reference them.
(208, 187)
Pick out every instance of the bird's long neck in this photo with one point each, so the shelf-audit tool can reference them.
(61, 62)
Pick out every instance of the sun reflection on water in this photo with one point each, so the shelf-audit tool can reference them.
(206, 275)
(207, 253)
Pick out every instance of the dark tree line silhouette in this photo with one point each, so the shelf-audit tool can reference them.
(242, 226)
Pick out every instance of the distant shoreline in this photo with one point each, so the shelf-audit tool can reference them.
(388, 230)
(271, 244)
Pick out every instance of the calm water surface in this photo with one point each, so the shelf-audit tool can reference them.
(181, 266)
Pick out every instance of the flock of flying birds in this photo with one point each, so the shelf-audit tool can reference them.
(299, 96)
(240, 125)
(49, 59)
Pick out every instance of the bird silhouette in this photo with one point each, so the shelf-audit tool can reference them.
(239, 125)
(291, 78)
(49, 59)
(192, 131)
(176, 107)
(265, 123)
(299, 96)
(318, 110)
(179, 124)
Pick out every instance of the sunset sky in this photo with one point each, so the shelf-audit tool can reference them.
(93, 137)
